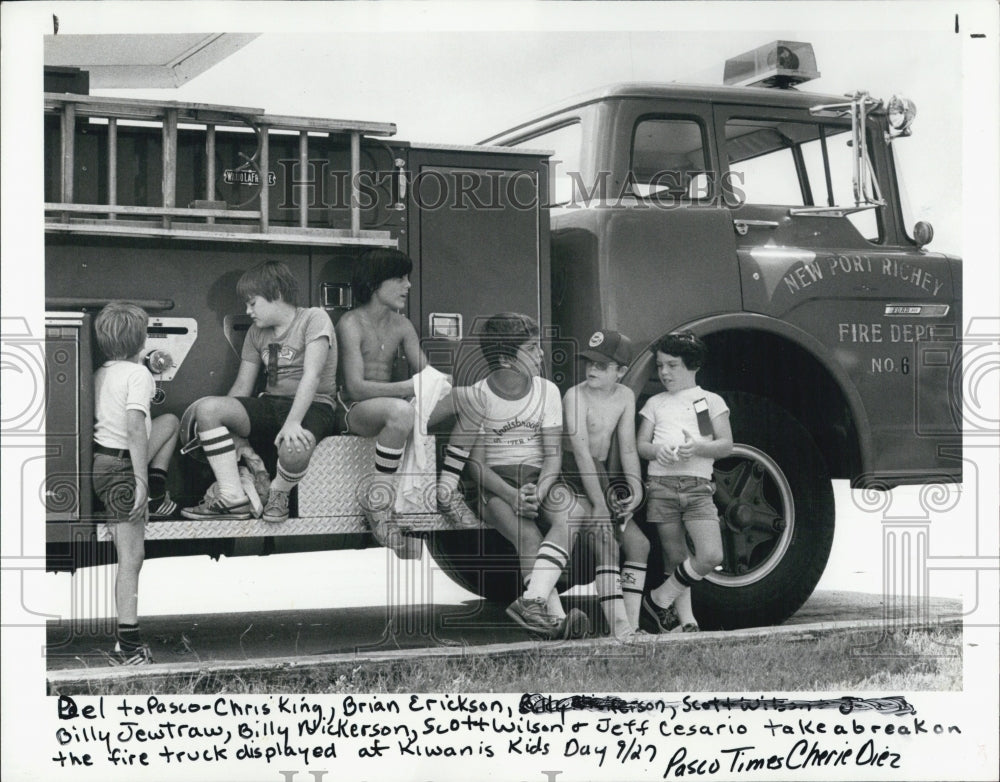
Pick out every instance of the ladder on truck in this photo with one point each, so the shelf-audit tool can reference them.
(201, 218)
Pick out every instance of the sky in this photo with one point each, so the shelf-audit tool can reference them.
(463, 87)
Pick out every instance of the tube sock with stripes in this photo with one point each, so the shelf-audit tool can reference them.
(455, 459)
(633, 580)
(285, 479)
(608, 582)
(682, 578)
(549, 564)
(221, 454)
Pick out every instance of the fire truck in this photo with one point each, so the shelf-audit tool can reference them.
(763, 218)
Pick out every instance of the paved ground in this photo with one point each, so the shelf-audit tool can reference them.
(252, 635)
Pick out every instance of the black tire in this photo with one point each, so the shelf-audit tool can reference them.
(485, 563)
(480, 560)
(776, 512)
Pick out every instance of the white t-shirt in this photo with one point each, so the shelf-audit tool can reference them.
(512, 428)
(120, 386)
(671, 414)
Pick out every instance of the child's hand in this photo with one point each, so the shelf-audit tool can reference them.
(527, 501)
(295, 437)
(666, 455)
(140, 506)
(686, 449)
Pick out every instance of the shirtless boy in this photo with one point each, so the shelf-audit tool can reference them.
(371, 403)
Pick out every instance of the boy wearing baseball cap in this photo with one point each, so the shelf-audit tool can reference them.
(596, 411)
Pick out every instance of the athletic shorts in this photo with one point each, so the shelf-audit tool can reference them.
(268, 414)
(676, 499)
(343, 414)
(114, 485)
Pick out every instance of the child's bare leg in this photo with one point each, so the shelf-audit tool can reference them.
(129, 539)
(293, 461)
(524, 536)
(707, 556)
(600, 541)
(608, 581)
(674, 550)
(162, 443)
(635, 548)
(707, 541)
(163, 440)
(390, 422)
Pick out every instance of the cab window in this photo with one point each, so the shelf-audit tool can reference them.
(795, 164)
(565, 142)
(668, 160)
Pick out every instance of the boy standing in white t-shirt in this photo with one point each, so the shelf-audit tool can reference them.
(682, 432)
(517, 419)
(132, 451)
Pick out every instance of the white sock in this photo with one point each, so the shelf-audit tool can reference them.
(455, 459)
(221, 454)
(549, 564)
(683, 577)
(633, 580)
(608, 583)
(286, 480)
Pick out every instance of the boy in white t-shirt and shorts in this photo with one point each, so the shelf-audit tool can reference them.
(516, 419)
(132, 451)
(682, 432)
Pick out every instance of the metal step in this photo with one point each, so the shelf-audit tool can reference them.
(328, 502)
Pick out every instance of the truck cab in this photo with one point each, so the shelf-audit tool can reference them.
(767, 220)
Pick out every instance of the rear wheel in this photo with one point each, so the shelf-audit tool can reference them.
(776, 513)
(480, 560)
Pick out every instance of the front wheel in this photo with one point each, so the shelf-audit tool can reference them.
(776, 513)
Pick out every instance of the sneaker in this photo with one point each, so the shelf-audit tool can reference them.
(532, 615)
(574, 625)
(387, 533)
(687, 627)
(665, 619)
(276, 510)
(165, 509)
(218, 510)
(141, 656)
(458, 514)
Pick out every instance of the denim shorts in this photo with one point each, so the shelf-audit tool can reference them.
(114, 485)
(675, 499)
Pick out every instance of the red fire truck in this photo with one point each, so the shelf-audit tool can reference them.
(762, 217)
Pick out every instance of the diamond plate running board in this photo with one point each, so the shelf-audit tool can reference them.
(328, 504)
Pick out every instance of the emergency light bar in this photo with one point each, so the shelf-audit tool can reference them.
(777, 64)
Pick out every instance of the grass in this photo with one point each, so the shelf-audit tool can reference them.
(915, 659)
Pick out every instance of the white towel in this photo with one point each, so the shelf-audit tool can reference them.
(429, 387)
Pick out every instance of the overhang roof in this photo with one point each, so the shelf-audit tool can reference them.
(128, 61)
